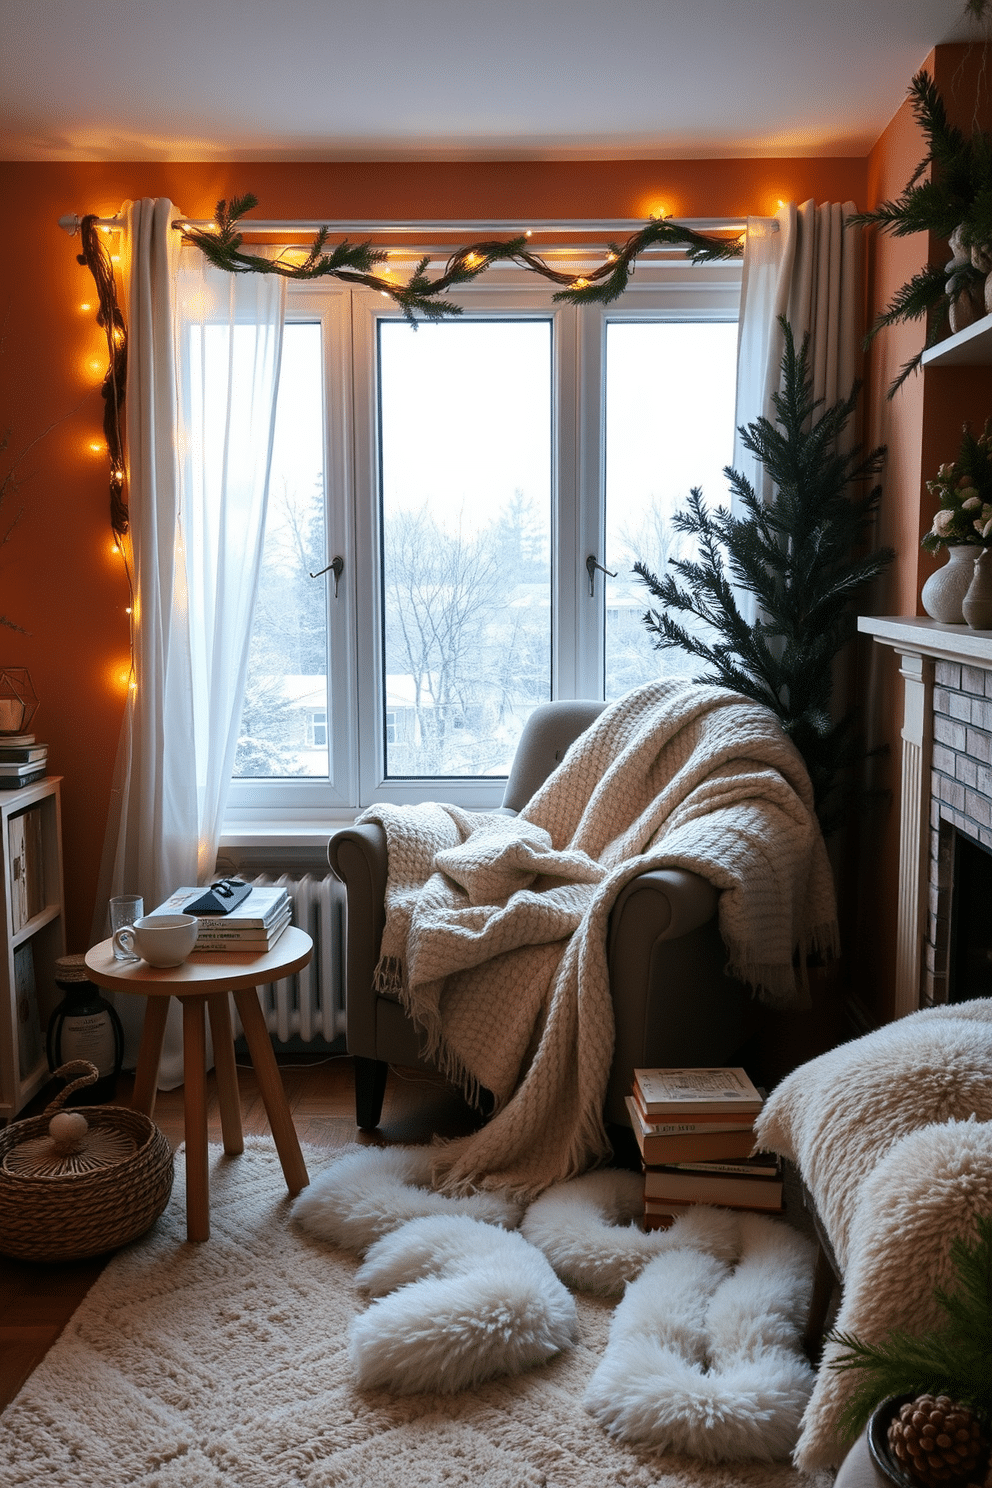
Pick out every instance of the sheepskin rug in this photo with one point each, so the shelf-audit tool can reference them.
(369, 1191)
(703, 1355)
(457, 1302)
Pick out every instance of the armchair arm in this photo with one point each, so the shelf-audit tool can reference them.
(357, 855)
(673, 1002)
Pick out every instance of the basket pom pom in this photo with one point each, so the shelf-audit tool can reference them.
(67, 1130)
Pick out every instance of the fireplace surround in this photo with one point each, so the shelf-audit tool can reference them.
(946, 792)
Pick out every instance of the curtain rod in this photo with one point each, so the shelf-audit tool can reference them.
(71, 224)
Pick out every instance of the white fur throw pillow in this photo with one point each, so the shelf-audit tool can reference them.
(929, 1188)
(463, 1301)
(589, 1229)
(703, 1355)
(837, 1116)
(368, 1191)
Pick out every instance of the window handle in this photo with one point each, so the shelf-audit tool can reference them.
(592, 563)
(336, 566)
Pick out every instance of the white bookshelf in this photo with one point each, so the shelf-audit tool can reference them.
(33, 933)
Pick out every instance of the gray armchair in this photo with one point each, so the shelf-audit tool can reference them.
(673, 1004)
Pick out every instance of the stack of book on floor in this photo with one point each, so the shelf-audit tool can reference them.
(695, 1130)
(252, 926)
(22, 760)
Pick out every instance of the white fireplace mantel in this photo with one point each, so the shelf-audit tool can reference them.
(919, 644)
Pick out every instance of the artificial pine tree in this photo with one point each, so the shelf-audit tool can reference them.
(802, 557)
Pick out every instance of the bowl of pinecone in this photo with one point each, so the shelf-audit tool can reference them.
(926, 1398)
(929, 1441)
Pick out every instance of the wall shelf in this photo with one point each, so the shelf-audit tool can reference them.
(971, 347)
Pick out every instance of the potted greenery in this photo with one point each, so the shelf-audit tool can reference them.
(953, 202)
(962, 525)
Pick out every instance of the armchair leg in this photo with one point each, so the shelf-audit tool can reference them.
(370, 1087)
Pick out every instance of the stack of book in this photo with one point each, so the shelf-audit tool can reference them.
(253, 926)
(695, 1131)
(22, 760)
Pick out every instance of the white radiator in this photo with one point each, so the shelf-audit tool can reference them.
(309, 1004)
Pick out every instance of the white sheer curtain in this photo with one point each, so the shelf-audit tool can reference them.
(804, 264)
(203, 368)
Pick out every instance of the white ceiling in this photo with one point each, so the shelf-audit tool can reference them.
(453, 79)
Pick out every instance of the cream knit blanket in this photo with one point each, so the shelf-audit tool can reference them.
(496, 926)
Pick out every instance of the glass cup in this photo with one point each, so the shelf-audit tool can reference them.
(124, 910)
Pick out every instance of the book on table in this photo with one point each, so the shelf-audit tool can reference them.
(674, 1094)
(265, 905)
(252, 926)
(250, 940)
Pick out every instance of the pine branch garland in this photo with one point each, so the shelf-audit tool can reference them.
(801, 556)
(356, 263)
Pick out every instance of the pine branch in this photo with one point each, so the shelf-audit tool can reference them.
(954, 1360)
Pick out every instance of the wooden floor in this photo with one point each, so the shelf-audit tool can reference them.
(36, 1301)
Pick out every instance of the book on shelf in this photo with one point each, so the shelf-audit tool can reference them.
(27, 867)
(667, 1142)
(26, 1007)
(259, 911)
(19, 775)
(22, 754)
(662, 1186)
(675, 1093)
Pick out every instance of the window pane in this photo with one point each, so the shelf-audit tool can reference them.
(284, 722)
(670, 390)
(465, 430)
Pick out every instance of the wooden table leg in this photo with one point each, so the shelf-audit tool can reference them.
(150, 1055)
(195, 1110)
(228, 1095)
(273, 1095)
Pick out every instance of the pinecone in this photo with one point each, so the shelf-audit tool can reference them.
(936, 1440)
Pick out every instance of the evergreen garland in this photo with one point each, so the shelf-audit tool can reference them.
(957, 198)
(954, 1360)
(800, 556)
(356, 263)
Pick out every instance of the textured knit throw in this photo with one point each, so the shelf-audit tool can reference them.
(496, 926)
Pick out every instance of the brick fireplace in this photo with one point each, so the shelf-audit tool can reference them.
(946, 793)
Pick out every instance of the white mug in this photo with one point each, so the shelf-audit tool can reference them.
(161, 940)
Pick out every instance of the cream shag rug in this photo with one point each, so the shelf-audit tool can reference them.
(224, 1365)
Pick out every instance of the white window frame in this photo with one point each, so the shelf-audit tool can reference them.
(671, 291)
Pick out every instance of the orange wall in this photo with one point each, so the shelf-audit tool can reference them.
(59, 576)
(921, 426)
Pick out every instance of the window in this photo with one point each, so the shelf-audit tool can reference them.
(487, 481)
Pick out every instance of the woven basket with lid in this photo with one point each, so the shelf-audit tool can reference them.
(80, 1193)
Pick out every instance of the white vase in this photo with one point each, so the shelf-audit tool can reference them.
(944, 591)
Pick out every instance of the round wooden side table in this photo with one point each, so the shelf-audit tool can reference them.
(202, 984)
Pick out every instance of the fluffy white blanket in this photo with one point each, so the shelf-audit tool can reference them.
(892, 1134)
(496, 926)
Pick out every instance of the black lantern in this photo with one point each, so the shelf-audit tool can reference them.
(85, 1026)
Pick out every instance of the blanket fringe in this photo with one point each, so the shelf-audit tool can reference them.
(388, 978)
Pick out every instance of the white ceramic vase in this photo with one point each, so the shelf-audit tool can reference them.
(944, 591)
